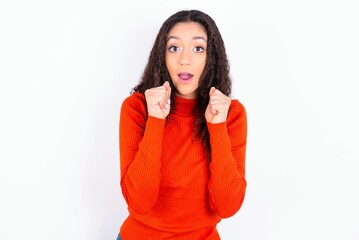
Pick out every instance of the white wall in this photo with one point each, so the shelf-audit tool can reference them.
(66, 66)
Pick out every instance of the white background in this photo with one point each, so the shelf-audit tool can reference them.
(66, 66)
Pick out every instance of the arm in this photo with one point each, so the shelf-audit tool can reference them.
(227, 184)
(140, 154)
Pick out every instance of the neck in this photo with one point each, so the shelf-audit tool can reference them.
(184, 106)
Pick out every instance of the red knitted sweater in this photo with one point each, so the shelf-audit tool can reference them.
(171, 190)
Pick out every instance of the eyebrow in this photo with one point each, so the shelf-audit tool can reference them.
(194, 38)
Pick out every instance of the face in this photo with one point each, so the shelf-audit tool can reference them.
(186, 57)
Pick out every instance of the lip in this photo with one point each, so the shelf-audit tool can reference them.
(185, 77)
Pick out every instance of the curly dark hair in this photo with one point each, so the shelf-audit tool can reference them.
(215, 73)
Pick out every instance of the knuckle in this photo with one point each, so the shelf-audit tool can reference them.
(147, 92)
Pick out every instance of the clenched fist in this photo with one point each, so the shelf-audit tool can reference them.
(218, 106)
(158, 101)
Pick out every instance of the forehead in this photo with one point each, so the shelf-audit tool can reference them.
(187, 30)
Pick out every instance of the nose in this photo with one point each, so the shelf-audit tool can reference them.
(185, 58)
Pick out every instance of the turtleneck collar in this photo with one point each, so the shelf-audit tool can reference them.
(184, 106)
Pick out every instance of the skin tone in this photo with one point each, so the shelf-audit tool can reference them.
(186, 57)
(185, 60)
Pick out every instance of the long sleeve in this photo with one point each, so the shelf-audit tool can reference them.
(227, 183)
(140, 154)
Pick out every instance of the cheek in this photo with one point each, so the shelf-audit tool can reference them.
(166, 62)
(202, 61)
(169, 70)
(169, 64)
(201, 66)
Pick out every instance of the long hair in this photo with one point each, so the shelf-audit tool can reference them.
(215, 73)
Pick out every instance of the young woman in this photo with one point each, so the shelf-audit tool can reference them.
(182, 138)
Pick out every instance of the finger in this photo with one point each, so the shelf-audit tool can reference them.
(211, 91)
(157, 96)
(166, 85)
(168, 98)
(157, 90)
(164, 101)
(218, 93)
(219, 99)
(212, 109)
(219, 105)
(168, 105)
(168, 89)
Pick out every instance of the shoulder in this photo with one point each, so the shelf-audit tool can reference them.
(237, 112)
(237, 107)
(135, 103)
(135, 99)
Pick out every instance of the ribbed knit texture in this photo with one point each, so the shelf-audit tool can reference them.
(171, 190)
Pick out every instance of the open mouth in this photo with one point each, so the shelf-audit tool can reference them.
(185, 76)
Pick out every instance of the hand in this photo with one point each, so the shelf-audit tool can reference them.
(218, 106)
(158, 101)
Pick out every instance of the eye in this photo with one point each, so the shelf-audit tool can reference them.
(198, 49)
(173, 49)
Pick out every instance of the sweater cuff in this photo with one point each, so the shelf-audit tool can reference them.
(218, 135)
(154, 123)
(153, 135)
(153, 132)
